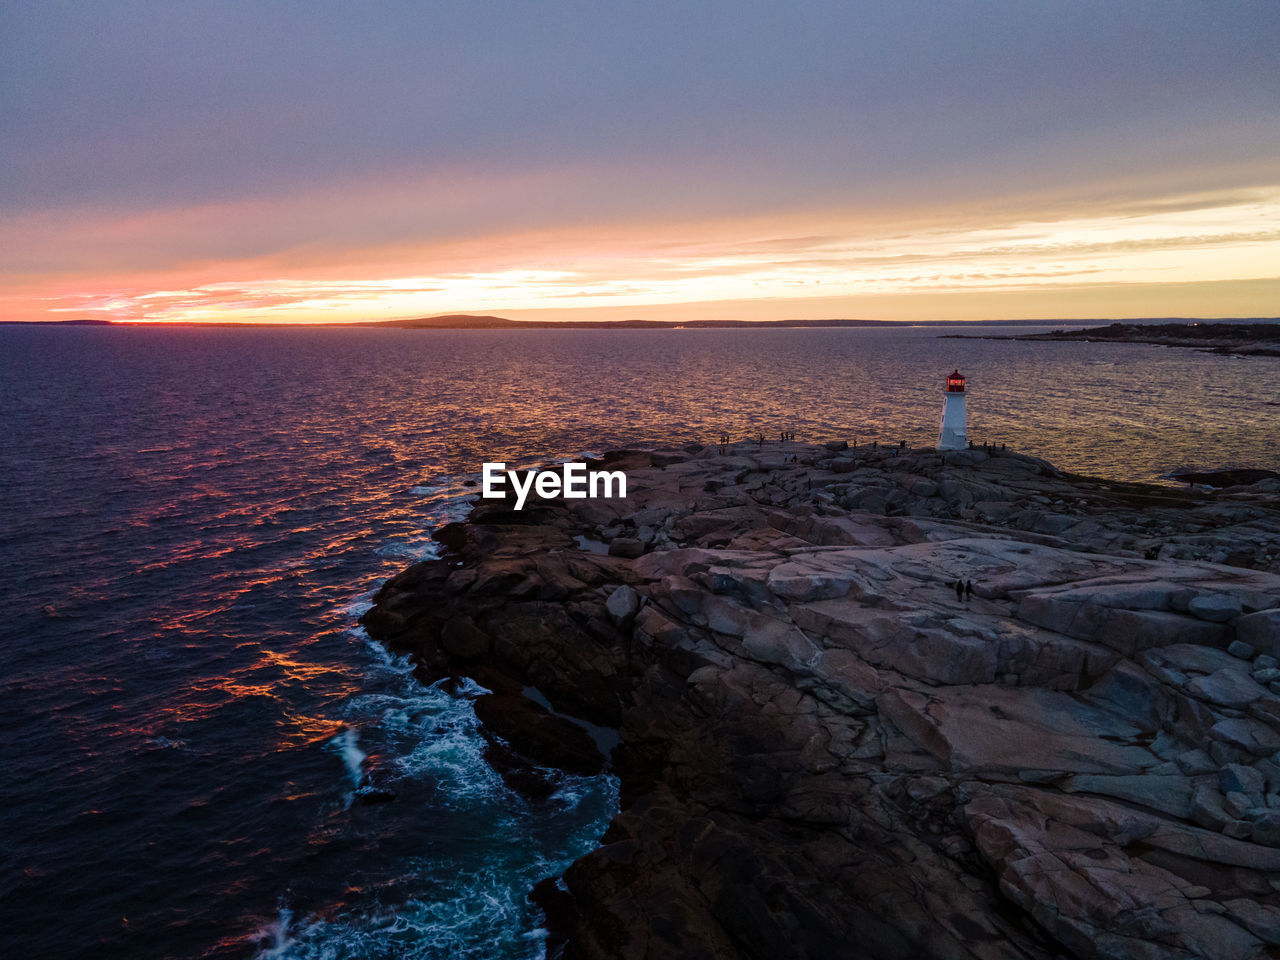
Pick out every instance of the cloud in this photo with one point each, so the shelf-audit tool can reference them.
(153, 105)
(281, 160)
(622, 265)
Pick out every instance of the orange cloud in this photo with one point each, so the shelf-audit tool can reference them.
(449, 244)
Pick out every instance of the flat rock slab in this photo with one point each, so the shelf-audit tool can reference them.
(999, 730)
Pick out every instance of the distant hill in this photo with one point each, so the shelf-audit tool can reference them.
(451, 321)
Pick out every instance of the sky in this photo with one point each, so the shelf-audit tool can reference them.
(944, 160)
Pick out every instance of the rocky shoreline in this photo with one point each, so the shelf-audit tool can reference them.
(1236, 339)
(827, 751)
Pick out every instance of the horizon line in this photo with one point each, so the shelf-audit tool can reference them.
(491, 322)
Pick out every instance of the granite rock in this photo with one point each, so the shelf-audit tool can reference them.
(826, 751)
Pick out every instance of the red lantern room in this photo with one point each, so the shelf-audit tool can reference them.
(955, 383)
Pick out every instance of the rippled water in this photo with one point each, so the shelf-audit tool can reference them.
(193, 519)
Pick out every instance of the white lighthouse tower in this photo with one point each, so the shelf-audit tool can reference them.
(952, 435)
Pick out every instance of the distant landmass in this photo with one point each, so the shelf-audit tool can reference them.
(463, 321)
(58, 323)
(1256, 338)
(468, 321)
(451, 321)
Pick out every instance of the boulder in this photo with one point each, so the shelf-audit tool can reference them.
(1238, 648)
(623, 604)
(1247, 734)
(1266, 830)
(626, 547)
(1261, 631)
(1230, 687)
(1215, 607)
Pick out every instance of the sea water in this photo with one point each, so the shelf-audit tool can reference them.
(192, 521)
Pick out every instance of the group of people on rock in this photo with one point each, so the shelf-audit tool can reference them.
(784, 435)
(964, 590)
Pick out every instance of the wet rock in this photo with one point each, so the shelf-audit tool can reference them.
(558, 908)
(534, 733)
(370, 795)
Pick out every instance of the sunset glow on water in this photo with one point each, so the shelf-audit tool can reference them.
(194, 519)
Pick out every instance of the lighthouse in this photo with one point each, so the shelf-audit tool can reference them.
(952, 435)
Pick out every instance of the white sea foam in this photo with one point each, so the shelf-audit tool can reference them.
(277, 934)
(460, 912)
(441, 504)
(165, 743)
(481, 913)
(474, 908)
(346, 745)
(427, 731)
(477, 923)
(357, 607)
(421, 548)
(457, 909)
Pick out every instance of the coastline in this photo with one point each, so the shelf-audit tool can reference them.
(1261, 339)
(826, 752)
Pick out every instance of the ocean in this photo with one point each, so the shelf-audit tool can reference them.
(193, 520)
